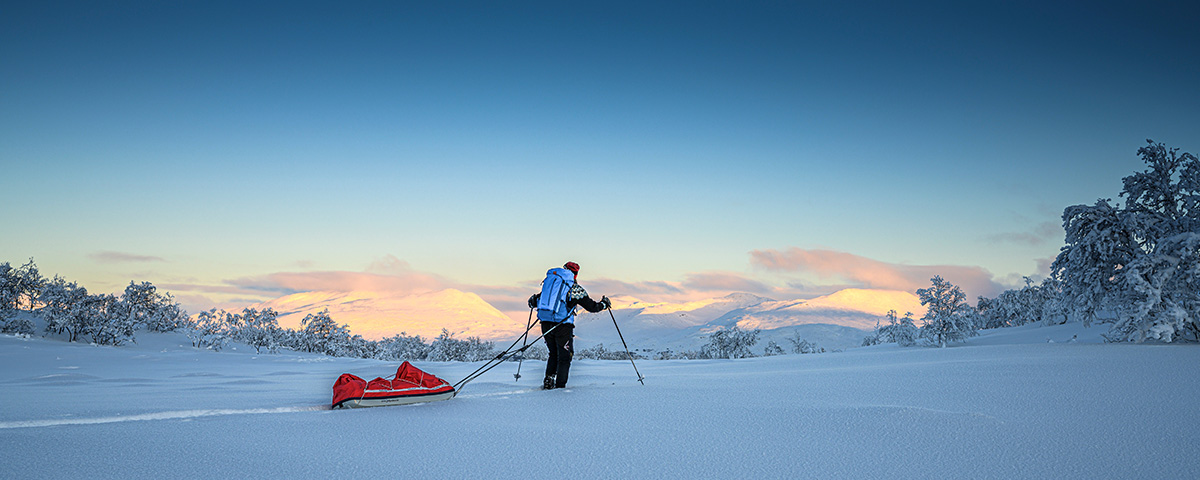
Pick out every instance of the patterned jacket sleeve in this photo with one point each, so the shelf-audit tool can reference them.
(578, 296)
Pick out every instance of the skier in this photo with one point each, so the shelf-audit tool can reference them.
(556, 310)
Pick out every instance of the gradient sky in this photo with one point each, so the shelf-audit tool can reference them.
(785, 147)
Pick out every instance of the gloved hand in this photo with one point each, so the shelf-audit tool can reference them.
(606, 302)
(533, 300)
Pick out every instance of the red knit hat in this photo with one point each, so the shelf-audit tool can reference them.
(573, 267)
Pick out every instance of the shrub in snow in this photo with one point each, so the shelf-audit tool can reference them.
(899, 331)
(8, 287)
(536, 351)
(156, 312)
(1029, 304)
(772, 349)
(259, 329)
(948, 318)
(598, 352)
(106, 322)
(11, 322)
(446, 348)
(1135, 266)
(320, 334)
(731, 342)
(64, 308)
(402, 347)
(20, 286)
(210, 329)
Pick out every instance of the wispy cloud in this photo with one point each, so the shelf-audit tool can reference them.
(1042, 234)
(869, 273)
(121, 257)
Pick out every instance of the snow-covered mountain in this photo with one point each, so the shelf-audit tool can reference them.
(376, 315)
(835, 321)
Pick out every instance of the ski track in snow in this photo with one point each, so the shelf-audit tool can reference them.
(172, 415)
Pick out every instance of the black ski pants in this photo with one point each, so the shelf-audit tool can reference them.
(562, 346)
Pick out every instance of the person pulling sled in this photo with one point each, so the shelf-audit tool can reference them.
(555, 305)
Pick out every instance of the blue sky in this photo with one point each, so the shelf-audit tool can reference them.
(207, 146)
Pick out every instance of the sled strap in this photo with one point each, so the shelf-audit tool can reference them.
(501, 358)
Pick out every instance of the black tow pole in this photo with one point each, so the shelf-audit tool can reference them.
(524, 337)
(635, 370)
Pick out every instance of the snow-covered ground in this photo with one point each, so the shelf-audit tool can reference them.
(1016, 403)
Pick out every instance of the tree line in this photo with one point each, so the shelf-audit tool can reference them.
(1133, 266)
(73, 313)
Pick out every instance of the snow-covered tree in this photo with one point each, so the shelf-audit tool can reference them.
(64, 309)
(731, 342)
(900, 331)
(402, 347)
(260, 329)
(320, 334)
(210, 329)
(8, 295)
(772, 349)
(1163, 293)
(156, 312)
(1133, 266)
(8, 287)
(107, 323)
(948, 317)
(445, 348)
(20, 286)
(1099, 244)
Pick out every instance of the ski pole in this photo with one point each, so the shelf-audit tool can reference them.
(635, 370)
(524, 336)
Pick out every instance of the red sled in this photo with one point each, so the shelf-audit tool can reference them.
(410, 385)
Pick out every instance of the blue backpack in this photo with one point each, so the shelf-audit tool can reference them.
(552, 304)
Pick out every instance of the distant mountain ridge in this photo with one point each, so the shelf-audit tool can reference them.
(376, 315)
(835, 321)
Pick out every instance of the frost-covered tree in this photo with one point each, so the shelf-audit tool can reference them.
(772, 349)
(156, 312)
(20, 286)
(8, 313)
(445, 348)
(402, 347)
(260, 329)
(65, 309)
(1098, 245)
(1029, 304)
(802, 346)
(320, 334)
(947, 317)
(731, 342)
(8, 287)
(107, 323)
(1134, 266)
(210, 329)
(900, 331)
(1162, 291)
(906, 332)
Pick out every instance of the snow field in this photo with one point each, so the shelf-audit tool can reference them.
(1007, 404)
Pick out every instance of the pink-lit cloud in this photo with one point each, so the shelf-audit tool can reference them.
(388, 276)
(869, 273)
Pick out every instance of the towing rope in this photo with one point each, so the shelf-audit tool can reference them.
(503, 356)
